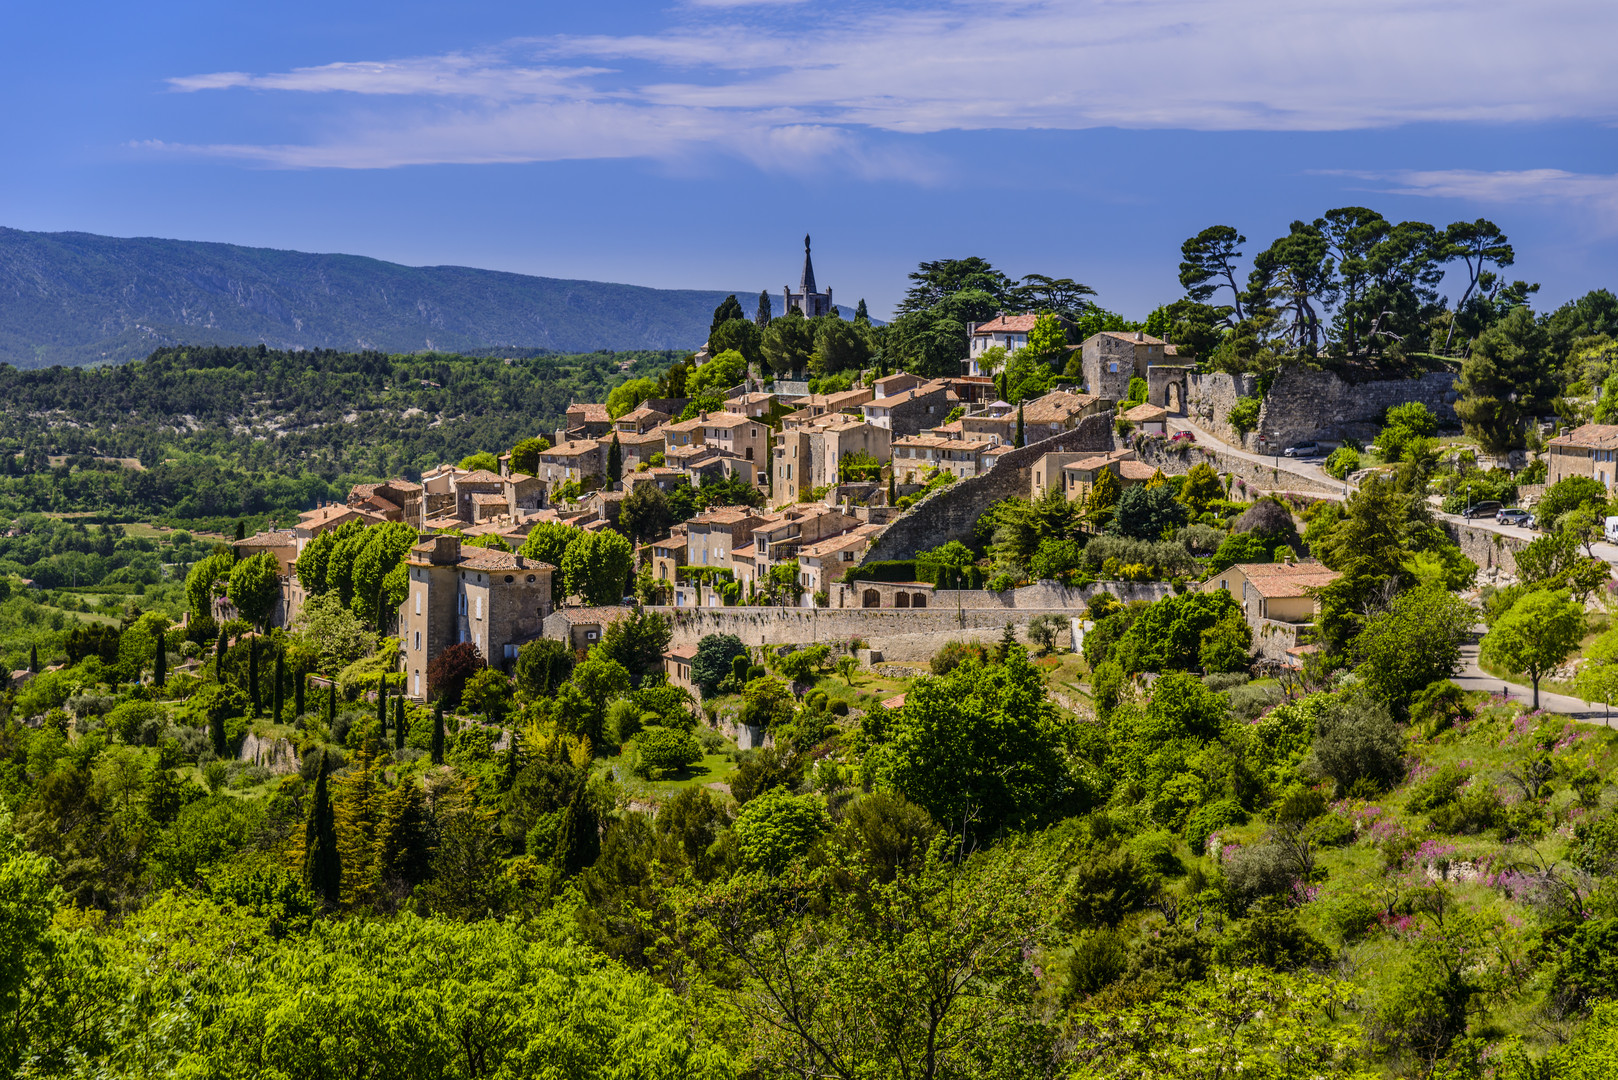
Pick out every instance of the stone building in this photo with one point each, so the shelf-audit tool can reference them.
(806, 299)
(1590, 450)
(910, 411)
(580, 461)
(395, 500)
(1113, 357)
(808, 455)
(311, 523)
(914, 456)
(494, 600)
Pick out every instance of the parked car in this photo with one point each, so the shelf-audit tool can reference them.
(1483, 509)
(1303, 449)
(1513, 515)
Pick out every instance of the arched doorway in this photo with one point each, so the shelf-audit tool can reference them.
(901, 600)
(920, 600)
(871, 598)
(1174, 399)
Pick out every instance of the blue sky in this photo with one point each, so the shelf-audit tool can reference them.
(693, 144)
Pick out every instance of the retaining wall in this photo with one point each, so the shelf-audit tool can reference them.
(1305, 404)
(1209, 398)
(1489, 549)
(1180, 457)
(950, 512)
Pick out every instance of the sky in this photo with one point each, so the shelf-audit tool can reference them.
(693, 144)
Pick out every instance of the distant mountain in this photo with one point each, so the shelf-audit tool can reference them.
(76, 298)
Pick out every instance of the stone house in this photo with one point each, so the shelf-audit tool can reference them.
(282, 543)
(579, 461)
(808, 456)
(897, 383)
(1008, 332)
(479, 482)
(755, 405)
(1054, 413)
(677, 669)
(909, 411)
(711, 535)
(494, 600)
(638, 449)
(640, 421)
(1078, 477)
(311, 523)
(581, 627)
(1279, 600)
(1113, 357)
(1047, 471)
(823, 562)
(395, 500)
(778, 537)
(1148, 418)
(669, 554)
(915, 456)
(585, 421)
(1590, 450)
(730, 433)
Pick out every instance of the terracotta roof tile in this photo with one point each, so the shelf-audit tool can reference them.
(1007, 324)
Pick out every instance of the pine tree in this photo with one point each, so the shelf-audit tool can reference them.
(398, 722)
(762, 319)
(404, 841)
(1019, 440)
(277, 692)
(252, 673)
(1008, 641)
(438, 733)
(615, 460)
(33, 659)
(322, 863)
(1001, 391)
(860, 314)
(160, 660)
(357, 812)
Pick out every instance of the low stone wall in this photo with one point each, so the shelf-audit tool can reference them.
(950, 512)
(796, 626)
(1180, 457)
(1272, 638)
(1492, 551)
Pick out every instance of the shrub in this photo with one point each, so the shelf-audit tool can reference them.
(1342, 461)
(1209, 818)
(777, 827)
(1356, 739)
(1259, 870)
(1243, 415)
(661, 751)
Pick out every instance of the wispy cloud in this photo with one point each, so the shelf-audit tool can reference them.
(764, 86)
(1596, 194)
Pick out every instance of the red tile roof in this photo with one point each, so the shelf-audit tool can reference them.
(1007, 324)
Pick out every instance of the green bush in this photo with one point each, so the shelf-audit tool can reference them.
(661, 751)
(1243, 415)
(1342, 461)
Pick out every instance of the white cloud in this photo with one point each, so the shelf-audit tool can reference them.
(1596, 193)
(774, 86)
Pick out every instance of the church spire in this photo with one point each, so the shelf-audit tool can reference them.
(807, 284)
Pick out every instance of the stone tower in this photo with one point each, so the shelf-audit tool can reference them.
(806, 299)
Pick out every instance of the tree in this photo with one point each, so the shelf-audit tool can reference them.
(200, 581)
(483, 461)
(1572, 493)
(787, 344)
(762, 319)
(255, 586)
(1102, 501)
(1209, 257)
(160, 657)
(1168, 635)
(638, 642)
(404, 841)
(1507, 378)
(1414, 643)
(623, 398)
(332, 633)
(1369, 547)
(979, 748)
(1539, 632)
(1200, 489)
(438, 732)
(548, 542)
(1476, 243)
(776, 827)
(712, 663)
(379, 581)
(1018, 439)
(542, 665)
(1405, 424)
(1047, 340)
(596, 566)
(581, 702)
(399, 722)
(615, 460)
(839, 346)
(661, 752)
(721, 372)
(278, 687)
(525, 455)
(1145, 513)
(645, 513)
(729, 308)
(322, 864)
(862, 317)
(1045, 630)
(252, 673)
(448, 671)
(488, 692)
(33, 658)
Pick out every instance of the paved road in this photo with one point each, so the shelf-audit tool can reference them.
(1305, 467)
(1472, 677)
(1601, 549)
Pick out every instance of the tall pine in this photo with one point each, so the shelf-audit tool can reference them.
(438, 733)
(398, 722)
(160, 660)
(404, 842)
(860, 314)
(322, 863)
(357, 810)
(578, 840)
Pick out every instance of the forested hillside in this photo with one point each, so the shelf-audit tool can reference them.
(76, 298)
(222, 433)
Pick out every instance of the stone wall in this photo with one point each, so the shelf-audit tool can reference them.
(950, 512)
(1492, 551)
(1180, 457)
(1210, 397)
(1304, 404)
(878, 626)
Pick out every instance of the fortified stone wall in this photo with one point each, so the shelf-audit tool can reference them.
(950, 512)
(1304, 404)
(1210, 397)
(793, 626)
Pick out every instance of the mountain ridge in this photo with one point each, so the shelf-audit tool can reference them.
(77, 299)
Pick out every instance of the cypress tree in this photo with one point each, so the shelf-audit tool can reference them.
(252, 673)
(403, 840)
(160, 660)
(578, 841)
(398, 722)
(278, 699)
(762, 319)
(615, 460)
(33, 659)
(216, 730)
(299, 682)
(241, 529)
(438, 733)
(331, 708)
(1019, 439)
(219, 658)
(893, 498)
(382, 708)
(322, 865)
(1008, 640)
(513, 763)
(860, 314)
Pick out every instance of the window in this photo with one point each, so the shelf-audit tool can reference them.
(480, 607)
(418, 640)
(418, 602)
(418, 684)
(1112, 368)
(589, 635)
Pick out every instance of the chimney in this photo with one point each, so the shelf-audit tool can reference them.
(446, 550)
(1140, 335)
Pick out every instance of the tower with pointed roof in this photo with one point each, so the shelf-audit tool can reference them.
(806, 299)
